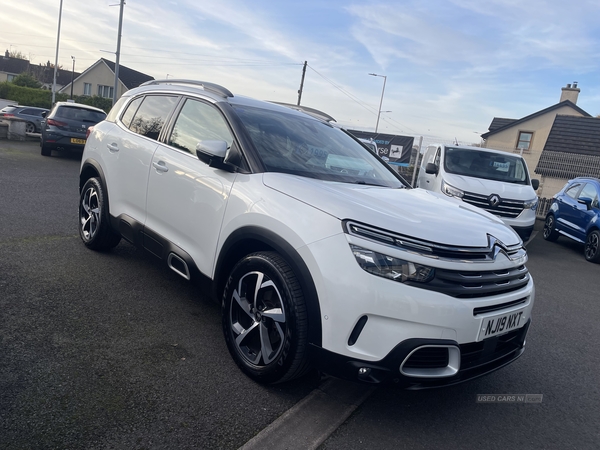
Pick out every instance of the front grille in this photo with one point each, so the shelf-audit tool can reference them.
(492, 308)
(465, 284)
(476, 354)
(506, 208)
(428, 358)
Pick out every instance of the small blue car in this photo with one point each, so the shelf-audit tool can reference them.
(575, 213)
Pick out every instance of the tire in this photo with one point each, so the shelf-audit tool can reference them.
(46, 151)
(592, 247)
(94, 227)
(550, 233)
(29, 127)
(265, 320)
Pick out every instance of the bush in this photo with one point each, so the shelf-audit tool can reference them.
(43, 98)
(27, 80)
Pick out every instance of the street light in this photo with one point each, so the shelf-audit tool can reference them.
(56, 59)
(72, 76)
(381, 101)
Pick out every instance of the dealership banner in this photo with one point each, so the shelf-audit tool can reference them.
(397, 149)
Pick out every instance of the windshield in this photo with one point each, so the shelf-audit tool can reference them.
(482, 164)
(289, 143)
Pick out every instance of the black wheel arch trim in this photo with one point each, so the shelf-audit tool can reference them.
(230, 254)
(93, 166)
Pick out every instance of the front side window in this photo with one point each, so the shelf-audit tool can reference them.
(524, 141)
(290, 143)
(152, 115)
(198, 121)
(590, 191)
(481, 164)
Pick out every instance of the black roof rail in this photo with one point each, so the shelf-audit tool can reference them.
(212, 87)
(310, 111)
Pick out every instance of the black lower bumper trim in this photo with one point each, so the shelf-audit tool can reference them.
(477, 359)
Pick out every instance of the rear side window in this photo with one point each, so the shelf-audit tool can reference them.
(152, 114)
(573, 190)
(112, 114)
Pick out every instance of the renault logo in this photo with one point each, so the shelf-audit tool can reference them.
(494, 200)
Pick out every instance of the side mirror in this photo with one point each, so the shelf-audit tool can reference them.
(213, 153)
(431, 168)
(535, 184)
(217, 149)
(585, 201)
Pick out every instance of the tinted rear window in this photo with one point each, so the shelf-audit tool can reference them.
(80, 114)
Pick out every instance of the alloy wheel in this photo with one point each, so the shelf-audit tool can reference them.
(591, 246)
(89, 213)
(257, 319)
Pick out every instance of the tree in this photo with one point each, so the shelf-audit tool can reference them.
(27, 80)
(17, 54)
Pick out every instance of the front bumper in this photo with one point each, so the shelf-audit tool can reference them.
(475, 359)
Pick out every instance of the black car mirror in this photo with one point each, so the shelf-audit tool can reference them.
(585, 201)
(431, 168)
(535, 184)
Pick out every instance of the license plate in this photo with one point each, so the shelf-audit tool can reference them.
(493, 326)
(77, 141)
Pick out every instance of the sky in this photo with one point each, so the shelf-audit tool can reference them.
(450, 66)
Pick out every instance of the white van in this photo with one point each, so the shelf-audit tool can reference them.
(490, 179)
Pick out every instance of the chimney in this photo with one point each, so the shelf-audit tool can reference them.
(6, 54)
(571, 92)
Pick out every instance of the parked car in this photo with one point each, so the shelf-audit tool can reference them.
(370, 144)
(490, 179)
(319, 253)
(31, 114)
(574, 213)
(66, 126)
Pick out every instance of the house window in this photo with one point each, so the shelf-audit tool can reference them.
(524, 140)
(87, 88)
(10, 77)
(105, 91)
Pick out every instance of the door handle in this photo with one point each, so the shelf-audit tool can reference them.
(160, 166)
(113, 148)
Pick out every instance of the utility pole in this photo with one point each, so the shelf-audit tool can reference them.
(118, 53)
(301, 83)
(56, 59)
(72, 76)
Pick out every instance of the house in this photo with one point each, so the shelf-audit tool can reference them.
(530, 135)
(99, 79)
(10, 67)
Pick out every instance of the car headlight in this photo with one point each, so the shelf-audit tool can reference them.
(451, 190)
(531, 204)
(391, 268)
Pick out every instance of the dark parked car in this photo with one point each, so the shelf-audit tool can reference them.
(31, 114)
(66, 125)
(574, 213)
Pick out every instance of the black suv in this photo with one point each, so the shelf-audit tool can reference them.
(66, 126)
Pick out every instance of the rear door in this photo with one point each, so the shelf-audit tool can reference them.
(187, 197)
(127, 153)
(585, 215)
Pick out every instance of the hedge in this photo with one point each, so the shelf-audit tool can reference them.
(42, 98)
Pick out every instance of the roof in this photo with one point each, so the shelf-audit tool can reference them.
(572, 148)
(499, 122)
(534, 115)
(129, 77)
(13, 66)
